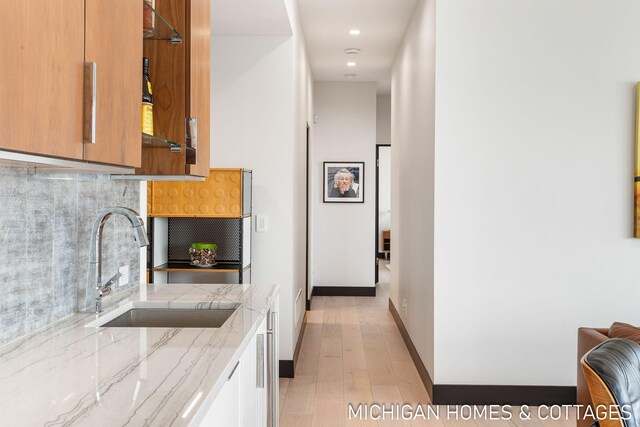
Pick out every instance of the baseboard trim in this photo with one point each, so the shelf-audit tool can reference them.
(344, 291)
(445, 394)
(417, 361)
(465, 394)
(286, 368)
(296, 352)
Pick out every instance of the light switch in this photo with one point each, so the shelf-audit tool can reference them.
(262, 223)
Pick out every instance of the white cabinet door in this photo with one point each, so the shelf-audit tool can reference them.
(226, 409)
(248, 385)
(254, 381)
(262, 391)
(243, 399)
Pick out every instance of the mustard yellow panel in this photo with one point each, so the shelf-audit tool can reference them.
(167, 199)
(220, 195)
(149, 199)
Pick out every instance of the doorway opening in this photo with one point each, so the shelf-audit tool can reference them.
(383, 206)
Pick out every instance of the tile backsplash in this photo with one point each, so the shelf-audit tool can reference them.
(45, 228)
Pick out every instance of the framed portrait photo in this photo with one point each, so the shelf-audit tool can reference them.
(343, 182)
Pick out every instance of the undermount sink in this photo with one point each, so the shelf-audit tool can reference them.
(170, 318)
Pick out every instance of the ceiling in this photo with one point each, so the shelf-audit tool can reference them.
(249, 18)
(382, 24)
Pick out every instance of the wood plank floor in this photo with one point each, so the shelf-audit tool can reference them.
(352, 352)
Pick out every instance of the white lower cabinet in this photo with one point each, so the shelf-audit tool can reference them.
(243, 400)
(254, 380)
(226, 409)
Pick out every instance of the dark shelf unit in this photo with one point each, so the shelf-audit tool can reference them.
(232, 235)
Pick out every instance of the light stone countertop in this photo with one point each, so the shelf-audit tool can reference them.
(73, 375)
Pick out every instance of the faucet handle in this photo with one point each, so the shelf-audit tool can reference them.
(112, 281)
(114, 278)
(105, 290)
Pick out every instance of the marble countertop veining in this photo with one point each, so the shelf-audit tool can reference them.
(73, 375)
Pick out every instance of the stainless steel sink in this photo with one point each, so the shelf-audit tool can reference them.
(170, 318)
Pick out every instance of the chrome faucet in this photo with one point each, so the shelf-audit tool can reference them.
(95, 254)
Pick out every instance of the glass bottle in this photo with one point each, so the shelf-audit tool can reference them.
(147, 99)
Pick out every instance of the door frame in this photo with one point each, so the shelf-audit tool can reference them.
(307, 223)
(377, 221)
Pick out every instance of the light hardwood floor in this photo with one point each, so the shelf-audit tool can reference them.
(352, 352)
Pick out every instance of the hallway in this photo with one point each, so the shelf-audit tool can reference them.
(352, 352)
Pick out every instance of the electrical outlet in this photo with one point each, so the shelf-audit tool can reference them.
(404, 304)
(124, 279)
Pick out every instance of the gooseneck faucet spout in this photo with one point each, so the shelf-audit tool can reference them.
(95, 252)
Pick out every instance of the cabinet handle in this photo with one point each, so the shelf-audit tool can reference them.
(233, 371)
(191, 139)
(89, 103)
(260, 360)
(274, 376)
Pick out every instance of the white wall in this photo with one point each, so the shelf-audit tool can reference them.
(412, 186)
(260, 103)
(302, 116)
(344, 240)
(252, 127)
(383, 119)
(533, 184)
(534, 168)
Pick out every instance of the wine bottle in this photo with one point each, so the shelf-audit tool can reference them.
(147, 99)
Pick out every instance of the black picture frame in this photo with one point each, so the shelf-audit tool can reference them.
(335, 192)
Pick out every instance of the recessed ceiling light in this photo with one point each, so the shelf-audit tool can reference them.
(352, 51)
(351, 64)
(354, 32)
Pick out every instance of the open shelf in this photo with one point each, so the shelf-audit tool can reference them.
(157, 142)
(220, 267)
(173, 233)
(163, 29)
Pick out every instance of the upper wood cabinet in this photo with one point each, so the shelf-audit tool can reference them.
(113, 40)
(43, 85)
(198, 92)
(180, 74)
